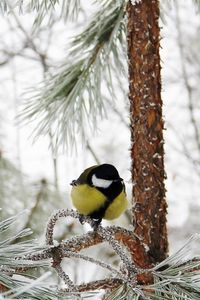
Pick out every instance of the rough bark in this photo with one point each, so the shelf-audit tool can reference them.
(149, 204)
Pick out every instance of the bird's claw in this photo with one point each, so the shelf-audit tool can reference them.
(95, 224)
(81, 219)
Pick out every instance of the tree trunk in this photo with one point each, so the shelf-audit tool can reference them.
(149, 204)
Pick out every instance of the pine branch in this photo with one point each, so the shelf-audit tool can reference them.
(30, 288)
(68, 9)
(113, 235)
(177, 277)
(73, 95)
(105, 284)
(172, 265)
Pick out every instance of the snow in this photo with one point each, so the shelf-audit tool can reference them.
(134, 2)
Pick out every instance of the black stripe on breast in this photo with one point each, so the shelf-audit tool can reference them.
(111, 193)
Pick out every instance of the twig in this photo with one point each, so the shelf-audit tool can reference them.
(52, 222)
(65, 278)
(89, 147)
(43, 59)
(185, 151)
(107, 283)
(37, 201)
(95, 261)
(185, 78)
(130, 266)
(131, 275)
(110, 234)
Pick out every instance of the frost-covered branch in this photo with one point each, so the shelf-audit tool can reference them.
(73, 95)
(106, 235)
(178, 275)
(68, 9)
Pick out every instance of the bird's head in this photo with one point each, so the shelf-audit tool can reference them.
(103, 176)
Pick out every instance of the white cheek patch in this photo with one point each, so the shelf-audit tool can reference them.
(101, 183)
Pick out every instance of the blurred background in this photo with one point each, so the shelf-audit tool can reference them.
(35, 176)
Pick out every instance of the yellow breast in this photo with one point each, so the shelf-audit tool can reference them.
(88, 199)
(117, 207)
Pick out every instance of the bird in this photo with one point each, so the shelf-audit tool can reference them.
(99, 192)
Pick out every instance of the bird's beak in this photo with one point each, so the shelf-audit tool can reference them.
(119, 179)
(73, 183)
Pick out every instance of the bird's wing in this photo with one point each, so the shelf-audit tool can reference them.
(83, 177)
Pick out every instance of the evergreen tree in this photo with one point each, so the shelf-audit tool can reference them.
(65, 101)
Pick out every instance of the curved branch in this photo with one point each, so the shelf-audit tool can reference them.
(105, 284)
(115, 236)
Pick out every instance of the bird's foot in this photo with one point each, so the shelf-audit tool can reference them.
(95, 224)
(82, 219)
